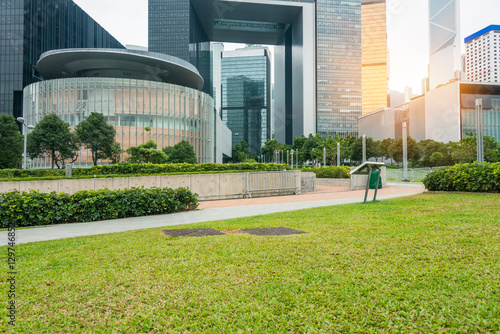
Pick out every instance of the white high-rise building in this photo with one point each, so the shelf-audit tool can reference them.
(444, 41)
(482, 55)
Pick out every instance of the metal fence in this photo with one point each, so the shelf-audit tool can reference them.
(414, 174)
(283, 182)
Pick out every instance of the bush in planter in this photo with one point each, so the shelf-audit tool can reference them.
(35, 208)
(333, 172)
(470, 177)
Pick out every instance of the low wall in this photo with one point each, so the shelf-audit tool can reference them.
(207, 186)
(334, 182)
(307, 182)
(359, 181)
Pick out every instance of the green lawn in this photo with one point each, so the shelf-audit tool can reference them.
(423, 264)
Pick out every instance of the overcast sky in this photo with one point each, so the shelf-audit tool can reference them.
(407, 29)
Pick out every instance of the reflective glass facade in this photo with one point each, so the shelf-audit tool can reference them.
(374, 55)
(173, 112)
(339, 92)
(444, 41)
(246, 107)
(30, 27)
(491, 115)
(317, 58)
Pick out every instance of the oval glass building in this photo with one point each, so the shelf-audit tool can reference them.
(144, 95)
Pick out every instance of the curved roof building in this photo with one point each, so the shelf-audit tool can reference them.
(144, 95)
(118, 63)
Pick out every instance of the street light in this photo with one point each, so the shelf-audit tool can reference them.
(28, 127)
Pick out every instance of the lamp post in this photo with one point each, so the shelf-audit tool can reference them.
(364, 148)
(338, 153)
(405, 152)
(479, 130)
(27, 127)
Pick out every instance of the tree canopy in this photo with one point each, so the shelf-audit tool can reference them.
(53, 137)
(181, 152)
(146, 153)
(98, 136)
(11, 142)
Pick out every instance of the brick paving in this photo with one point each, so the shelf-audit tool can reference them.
(322, 193)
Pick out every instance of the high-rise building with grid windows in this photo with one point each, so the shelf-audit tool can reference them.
(29, 28)
(246, 96)
(317, 53)
(482, 55)
(374, 55)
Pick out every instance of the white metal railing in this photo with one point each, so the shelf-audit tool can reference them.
(269, 181)
(413, 173)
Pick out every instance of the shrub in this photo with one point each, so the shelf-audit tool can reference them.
(128, 168)
(470, 177)
(35, 208)
(330, 172)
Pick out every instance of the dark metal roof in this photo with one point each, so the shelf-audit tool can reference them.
(118, 63)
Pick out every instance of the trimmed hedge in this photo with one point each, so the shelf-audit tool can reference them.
(333, 172)
(127, 168)
(35, 208)
(473, 177)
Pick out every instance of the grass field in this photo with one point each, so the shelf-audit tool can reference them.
(422, 264)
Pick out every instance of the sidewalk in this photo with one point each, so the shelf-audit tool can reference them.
(215, 210)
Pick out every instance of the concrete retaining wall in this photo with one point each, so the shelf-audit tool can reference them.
(334, 182)
(207, 186)
(307, 182)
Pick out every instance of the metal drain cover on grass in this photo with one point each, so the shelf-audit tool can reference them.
(192, 232)
(272, 231)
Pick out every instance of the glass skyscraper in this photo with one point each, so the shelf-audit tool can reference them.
(317, 57)
(30, 27)
(374, 55)
(339, 67)
(246, 98)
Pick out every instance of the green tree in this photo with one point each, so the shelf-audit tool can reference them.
(436, 158)
(98, 136)
(356, 149)
(385, 146)
(146, 153)
(181, 152)
(429, 147)
(53, 137)
(269, 147)
(465, 150)
(414, 152)
(11, 142)
(311, 147)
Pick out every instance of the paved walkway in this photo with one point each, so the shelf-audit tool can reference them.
(215, 210)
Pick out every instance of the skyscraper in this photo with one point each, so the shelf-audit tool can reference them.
(482, 55)
(317, 53)
(339, 86)
(246, 96)
(444, 41)
(31, 27)
(374, 55)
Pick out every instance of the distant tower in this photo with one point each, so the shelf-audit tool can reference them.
(374, 55)
(444, 41)
(483, 55)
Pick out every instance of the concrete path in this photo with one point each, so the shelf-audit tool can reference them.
(215, 210)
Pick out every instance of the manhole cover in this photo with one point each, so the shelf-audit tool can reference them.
(192, 232)
(272, 231)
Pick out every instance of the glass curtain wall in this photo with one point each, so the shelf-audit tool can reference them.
(339, 91)
(174, 113)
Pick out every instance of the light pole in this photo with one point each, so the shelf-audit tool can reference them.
(28, 127)
(479, 130)
(405, 152)
(338, 153)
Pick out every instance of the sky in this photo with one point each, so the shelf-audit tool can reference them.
(407, 30)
